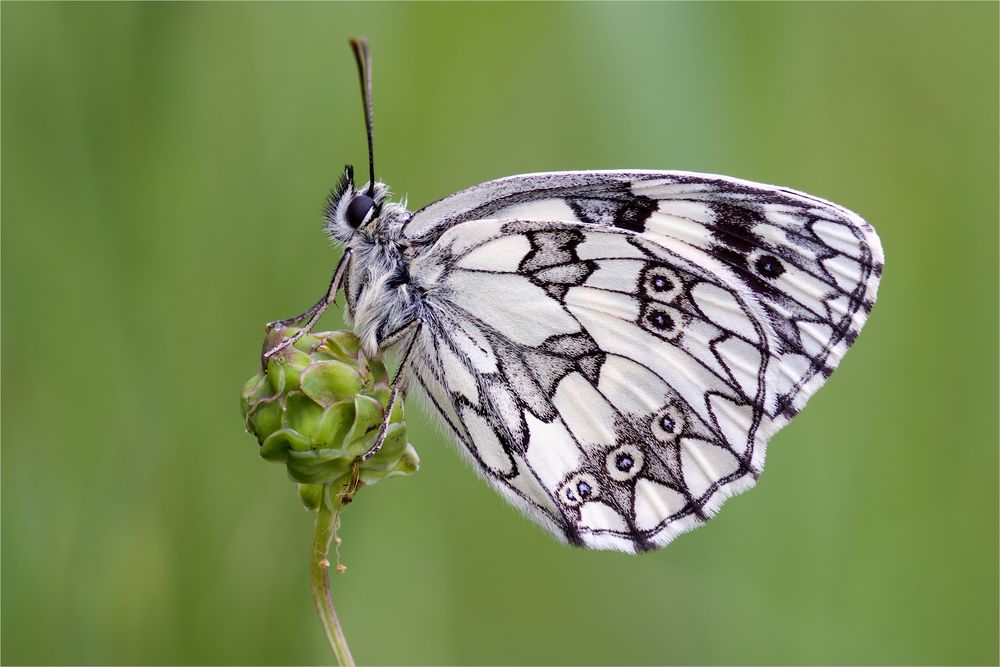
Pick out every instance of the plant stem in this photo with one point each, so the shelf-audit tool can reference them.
(325, 524)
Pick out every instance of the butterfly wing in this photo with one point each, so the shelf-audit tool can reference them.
(614, 349)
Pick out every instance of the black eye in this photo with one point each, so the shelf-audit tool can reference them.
(769, 266)
(661, 320)
(358, 210)
(624, 462)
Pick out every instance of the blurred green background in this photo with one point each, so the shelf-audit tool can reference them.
(164, 168)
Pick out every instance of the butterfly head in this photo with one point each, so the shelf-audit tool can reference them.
(351, 210)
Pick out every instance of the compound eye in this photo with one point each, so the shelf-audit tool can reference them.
(358, 210)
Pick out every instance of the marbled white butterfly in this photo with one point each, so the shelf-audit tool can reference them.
(611, 349)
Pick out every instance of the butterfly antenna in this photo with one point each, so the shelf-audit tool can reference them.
(364, 60)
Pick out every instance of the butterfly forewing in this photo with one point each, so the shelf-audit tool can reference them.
(613, 349)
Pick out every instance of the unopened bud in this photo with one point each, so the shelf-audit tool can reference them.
(317, 408)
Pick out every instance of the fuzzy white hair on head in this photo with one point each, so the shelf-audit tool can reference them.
(337, 225)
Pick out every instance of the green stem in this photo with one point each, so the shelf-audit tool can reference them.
(325, 524)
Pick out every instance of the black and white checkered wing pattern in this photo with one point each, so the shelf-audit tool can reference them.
(614, 349)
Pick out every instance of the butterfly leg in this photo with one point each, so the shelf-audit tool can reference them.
(312, 315)
(398, 392)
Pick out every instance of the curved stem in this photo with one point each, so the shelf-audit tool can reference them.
(323, 536)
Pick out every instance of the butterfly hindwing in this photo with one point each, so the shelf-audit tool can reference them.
(614, 349)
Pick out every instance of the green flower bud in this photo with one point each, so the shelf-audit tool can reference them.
(311, 495)
(317, 408)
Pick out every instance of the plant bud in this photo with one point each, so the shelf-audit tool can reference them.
(317, 408)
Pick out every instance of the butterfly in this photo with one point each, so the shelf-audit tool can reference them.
(611, 350)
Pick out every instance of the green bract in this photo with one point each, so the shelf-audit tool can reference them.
(317, 408)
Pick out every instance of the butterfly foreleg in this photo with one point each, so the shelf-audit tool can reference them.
(312, 315)
(398, 390)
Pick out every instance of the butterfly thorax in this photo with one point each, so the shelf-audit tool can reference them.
(381, 300)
